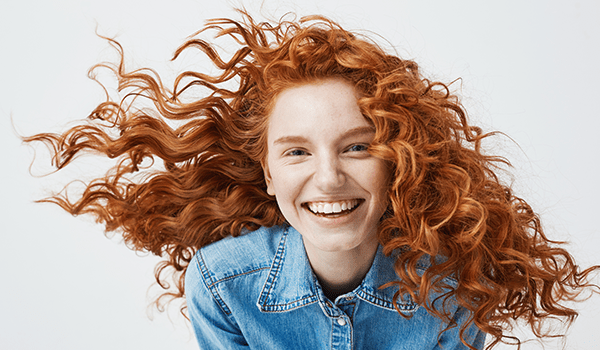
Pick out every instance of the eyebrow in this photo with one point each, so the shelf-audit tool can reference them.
(361, 130)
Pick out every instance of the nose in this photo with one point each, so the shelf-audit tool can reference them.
(328, 174)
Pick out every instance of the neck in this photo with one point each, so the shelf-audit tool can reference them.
(341, 272)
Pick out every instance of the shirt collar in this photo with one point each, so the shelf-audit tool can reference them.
(291, 283)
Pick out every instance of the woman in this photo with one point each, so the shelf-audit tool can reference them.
(323, 195)
(259, 289)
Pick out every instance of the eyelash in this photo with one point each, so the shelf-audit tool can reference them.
(295, 152)
(300, 152)
(364, 147)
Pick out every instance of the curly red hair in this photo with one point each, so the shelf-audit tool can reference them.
(445, 198)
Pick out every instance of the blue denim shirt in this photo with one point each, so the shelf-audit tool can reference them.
(258, 291)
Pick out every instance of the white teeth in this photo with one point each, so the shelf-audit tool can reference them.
(336, 207)
(332, 207)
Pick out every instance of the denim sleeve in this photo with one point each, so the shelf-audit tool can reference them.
(214, 327)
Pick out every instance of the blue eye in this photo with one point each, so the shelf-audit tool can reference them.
(358, 148)
(296, 152)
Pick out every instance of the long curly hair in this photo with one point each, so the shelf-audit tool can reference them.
(446, 198)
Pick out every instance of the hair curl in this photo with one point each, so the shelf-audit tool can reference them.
(445, 198)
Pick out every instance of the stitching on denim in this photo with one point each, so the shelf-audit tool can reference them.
(351, 325)
(275, 267)
(286, 307)
(239, 274)
(332, 331)
(405, 306)
(212, 287)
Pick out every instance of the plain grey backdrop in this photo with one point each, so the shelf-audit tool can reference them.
(527, 68)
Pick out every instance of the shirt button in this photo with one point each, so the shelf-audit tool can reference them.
(349, 297)
(341, 321)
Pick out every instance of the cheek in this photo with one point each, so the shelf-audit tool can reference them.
(282, 185)
(375, 176)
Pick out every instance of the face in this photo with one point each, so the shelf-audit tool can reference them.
(326, 184)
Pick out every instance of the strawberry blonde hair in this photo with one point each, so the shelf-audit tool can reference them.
(445, 197)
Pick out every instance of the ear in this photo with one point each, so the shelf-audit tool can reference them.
(270, 189)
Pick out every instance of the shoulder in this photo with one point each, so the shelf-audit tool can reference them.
(232, 256)
(427, 263)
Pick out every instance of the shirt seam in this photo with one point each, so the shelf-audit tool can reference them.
(212, 286)
(227, 278)
(276, 266)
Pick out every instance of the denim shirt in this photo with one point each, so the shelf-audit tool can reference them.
(258, 291)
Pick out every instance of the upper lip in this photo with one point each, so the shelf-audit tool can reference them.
(331, 200)
(323, 198)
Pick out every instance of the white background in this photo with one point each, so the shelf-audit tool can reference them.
(528, 68)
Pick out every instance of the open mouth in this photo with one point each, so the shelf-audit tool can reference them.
(333, 209)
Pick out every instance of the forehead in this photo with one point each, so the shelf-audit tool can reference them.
(329, 105)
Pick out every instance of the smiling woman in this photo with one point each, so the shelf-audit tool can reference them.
(322, 195)
(327, 186)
